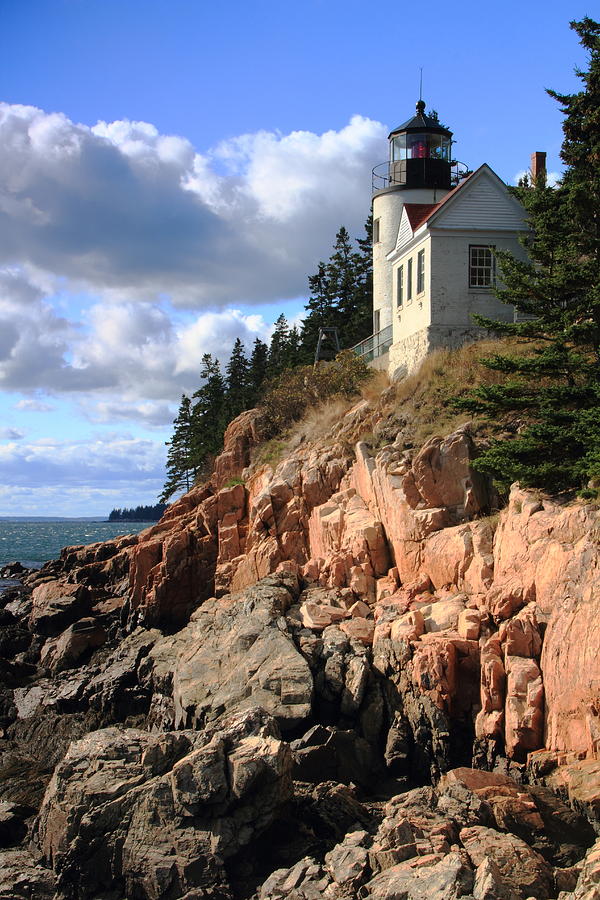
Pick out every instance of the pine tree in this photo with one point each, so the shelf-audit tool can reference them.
(341, 293)
(209, 415)
(362, 322)
(181, 468)
(557, 382)
(257, 370)
(322, 313)
(237, 381)
(278, 347)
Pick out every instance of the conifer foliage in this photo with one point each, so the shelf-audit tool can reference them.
(556, 384)
(341, 293)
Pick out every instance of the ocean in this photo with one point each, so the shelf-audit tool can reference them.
(33, 542)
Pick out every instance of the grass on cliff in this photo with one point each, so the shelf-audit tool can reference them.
(420, 405)
(424, 400)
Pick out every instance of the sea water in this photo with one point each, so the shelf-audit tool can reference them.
(33, 542)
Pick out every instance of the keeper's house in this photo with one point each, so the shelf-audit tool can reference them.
(434, 232)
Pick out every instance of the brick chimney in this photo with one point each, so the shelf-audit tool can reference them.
(538, 166)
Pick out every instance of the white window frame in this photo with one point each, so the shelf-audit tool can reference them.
(421, 271)
(376, 231)
(400, 286)
(482, 267)
(409, 279)
(376, 321)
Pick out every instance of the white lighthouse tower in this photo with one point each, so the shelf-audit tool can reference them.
(418, 172)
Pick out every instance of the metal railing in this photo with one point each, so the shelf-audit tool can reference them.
(375, 345)
(389, 173)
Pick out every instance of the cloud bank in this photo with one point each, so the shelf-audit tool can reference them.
(121, 208)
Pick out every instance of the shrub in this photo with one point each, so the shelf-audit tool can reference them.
(296, 390)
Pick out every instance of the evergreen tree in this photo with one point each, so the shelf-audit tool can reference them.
(237, 381)
(209, 414)
(362, 323)
(341, 293)
(181, 467)
(293, 350)
(278, 347)
(342, 276)
(257, 370)
(321, 312)
(557, 382)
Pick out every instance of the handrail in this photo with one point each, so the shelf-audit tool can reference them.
(375, 345)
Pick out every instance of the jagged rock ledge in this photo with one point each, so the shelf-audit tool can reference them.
(280, 689)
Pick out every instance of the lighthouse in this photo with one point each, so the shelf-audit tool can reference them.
(436, 229)
(418, 172)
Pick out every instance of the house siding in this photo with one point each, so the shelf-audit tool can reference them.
(484, 203)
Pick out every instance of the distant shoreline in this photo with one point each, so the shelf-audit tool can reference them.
(70, 519)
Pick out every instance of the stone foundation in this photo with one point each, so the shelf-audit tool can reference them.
(406, 355)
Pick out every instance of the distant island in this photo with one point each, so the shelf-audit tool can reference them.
(138, 514)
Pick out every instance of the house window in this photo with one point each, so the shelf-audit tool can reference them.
(400, 286)
(376, 237)
(376, 321)
(482, 266)
(409, 268)
(420, 271)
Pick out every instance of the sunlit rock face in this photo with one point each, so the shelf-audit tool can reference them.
(280, 689)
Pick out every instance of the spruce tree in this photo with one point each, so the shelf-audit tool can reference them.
(209, 414)
(278, 347)
(362, 323)
(237, 381)
(181, 467)
(341, 293)
(257, 371)
(556, 383)
(342, 274)
(322, 312)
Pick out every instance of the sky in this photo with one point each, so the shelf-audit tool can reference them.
(171, 171)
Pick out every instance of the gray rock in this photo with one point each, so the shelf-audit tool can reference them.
(22, 879)
(233, 655)
(65, 651)
(348, 862)
(490, 885)
(155, 814)
(335, 755)
(304, 881)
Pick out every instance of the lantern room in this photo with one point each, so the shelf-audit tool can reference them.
(420, 153)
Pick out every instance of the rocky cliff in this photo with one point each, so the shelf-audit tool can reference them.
(345, 674)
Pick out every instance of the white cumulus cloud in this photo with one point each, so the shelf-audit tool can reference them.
(120, 207)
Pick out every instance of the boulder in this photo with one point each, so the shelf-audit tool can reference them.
(55, 605)
(423, 878)
(78, 639)
(237, 653)
(155, 814)
(524, 711)
(23, 878)
(329, 754)
(521, 869)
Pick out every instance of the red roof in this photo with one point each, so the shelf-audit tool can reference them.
(418, 213)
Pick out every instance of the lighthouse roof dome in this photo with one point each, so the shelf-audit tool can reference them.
(420, 122)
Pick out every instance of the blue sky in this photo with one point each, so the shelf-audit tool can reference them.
(171, 172)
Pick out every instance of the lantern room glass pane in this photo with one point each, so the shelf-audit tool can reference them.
(398, 148)
(416, 146)
(420, 146)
